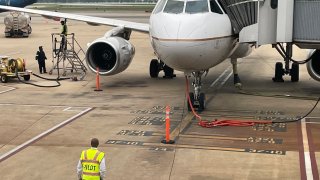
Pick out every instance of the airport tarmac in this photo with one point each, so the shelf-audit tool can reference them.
(44, 130)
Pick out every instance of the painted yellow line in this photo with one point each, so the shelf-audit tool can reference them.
(193, 147)
(184, 123)
(212, 137)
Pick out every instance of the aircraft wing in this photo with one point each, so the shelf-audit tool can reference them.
(90, 19)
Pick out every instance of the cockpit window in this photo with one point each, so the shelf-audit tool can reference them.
(215, 7)
(197, 6)
(159, 6)
(174, 6)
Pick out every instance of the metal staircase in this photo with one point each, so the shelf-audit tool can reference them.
(66, 55)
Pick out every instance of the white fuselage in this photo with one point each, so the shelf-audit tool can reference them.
(191, 42)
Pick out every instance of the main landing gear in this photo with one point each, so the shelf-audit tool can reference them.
(198, 99)
(280, 71)
(156, 66)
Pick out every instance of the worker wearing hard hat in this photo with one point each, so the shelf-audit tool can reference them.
(92, 163)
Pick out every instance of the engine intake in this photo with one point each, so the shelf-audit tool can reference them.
(313, 65)
(111, 54)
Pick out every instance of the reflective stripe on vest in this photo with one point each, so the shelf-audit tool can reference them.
(90, 160)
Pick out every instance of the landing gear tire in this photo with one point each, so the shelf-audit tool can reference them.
(202, 102)
(168, 72)
(26, 77)
(279, 72)
(4, 78)
(154, 68)
(191, 95)
(294, 72)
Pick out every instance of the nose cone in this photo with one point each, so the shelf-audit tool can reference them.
(189, 42)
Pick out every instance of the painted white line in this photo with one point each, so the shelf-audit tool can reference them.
(29, 142)
(226, 79)
(66, 109)
(305, 142)
(72, 109)
(221, 75)
(313, 122)
(11, 89)
(37, 105)
(313, 117)
(28, 105)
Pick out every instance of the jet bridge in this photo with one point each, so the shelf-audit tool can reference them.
(279, 22)
(275, 21)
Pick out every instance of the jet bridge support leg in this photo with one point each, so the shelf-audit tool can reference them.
(236, 78)
(287, 57)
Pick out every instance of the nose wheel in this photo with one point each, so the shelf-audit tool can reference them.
(156, 66)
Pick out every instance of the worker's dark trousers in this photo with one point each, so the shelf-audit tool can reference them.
(42, 67)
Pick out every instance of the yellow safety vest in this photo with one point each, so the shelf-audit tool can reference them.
(64, 29)
(90, 160)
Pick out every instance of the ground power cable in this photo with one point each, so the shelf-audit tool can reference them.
(31, 125)
(285, 55)
(316, 99)
(232, 122)
(48, 79)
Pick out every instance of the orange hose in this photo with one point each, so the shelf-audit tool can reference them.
(215, 123)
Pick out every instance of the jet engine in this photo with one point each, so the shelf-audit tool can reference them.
(313, 65)
(111, 54)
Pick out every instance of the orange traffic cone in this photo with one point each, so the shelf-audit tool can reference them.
(98, 81)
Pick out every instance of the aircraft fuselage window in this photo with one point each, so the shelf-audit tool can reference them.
(174, 6)
(159, 6)
(197, 6)
(215, 7)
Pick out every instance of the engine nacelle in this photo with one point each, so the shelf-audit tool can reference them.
(313, 65)
(243, 50)
(111, 54)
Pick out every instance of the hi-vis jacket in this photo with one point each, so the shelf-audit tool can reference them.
(91, 165)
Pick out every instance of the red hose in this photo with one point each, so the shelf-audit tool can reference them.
(215, 123)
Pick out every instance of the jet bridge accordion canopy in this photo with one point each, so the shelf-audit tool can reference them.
(242, 13)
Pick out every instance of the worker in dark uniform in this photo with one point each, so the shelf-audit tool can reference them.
(41, 57)
(63, 34)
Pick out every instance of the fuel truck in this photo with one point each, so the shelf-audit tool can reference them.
(17, 24)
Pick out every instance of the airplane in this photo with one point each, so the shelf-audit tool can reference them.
(191, 36)
(17, 3)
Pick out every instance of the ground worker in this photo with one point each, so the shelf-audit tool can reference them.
(63, 34)
(41, 57)
(64, 28)
(91, 165)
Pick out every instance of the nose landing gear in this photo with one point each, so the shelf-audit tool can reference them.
(198, 99)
